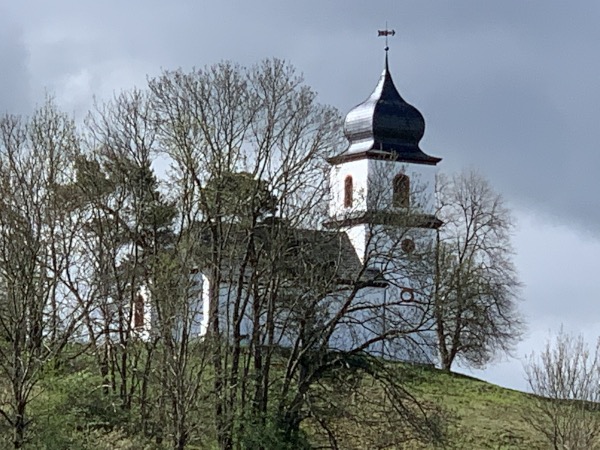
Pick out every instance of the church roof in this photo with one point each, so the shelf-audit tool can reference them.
(327, 253)
(385, 126)
(304, 255)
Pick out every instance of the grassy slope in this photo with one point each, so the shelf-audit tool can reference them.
(482, 415)
(478, 415)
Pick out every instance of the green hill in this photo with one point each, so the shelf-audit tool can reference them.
(72, 413)
(472, 413)
(480, 415)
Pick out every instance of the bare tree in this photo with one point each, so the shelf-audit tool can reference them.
(181, 369)
(130, 234)
(38, 315)
(262, 122)
(476, 286)
(288, 302)
(565, 378)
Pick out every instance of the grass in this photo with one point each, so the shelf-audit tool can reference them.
(475, 415)
(481, 415)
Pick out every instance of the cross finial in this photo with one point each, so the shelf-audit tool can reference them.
(386, 33)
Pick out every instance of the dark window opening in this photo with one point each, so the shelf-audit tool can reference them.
(138, 312)
(348, 192)
(401, 196)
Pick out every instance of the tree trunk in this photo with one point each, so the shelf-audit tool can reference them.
(19, 426)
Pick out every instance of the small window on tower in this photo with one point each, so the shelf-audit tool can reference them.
(138, 312)
(348, 192)
(401, 196)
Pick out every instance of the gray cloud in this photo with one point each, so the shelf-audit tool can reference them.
(14, 73)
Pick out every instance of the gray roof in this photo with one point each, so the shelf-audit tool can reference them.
(301, 254)
(330, 252)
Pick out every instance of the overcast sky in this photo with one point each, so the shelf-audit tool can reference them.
(509, 87)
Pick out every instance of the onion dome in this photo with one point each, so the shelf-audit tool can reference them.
(385, 126)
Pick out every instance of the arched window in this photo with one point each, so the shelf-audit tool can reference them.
(138, 312)
(401, 196)
(348, 192)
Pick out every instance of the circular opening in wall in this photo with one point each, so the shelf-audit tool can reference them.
(407, 245)
(407, 295)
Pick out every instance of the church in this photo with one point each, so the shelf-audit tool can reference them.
(374, 244)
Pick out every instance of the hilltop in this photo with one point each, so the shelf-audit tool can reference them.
(474, 414)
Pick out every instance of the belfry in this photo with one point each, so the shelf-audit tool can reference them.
(382, 177)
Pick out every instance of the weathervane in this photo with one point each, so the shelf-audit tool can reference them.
(386, 33)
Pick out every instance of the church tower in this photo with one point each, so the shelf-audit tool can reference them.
(383, 178)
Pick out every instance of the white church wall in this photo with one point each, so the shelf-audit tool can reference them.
(193, 319)
(390, 251)
(358, 237)
(361, 324)
(381, 175)
(230, 300)
(378, 312)
(372, 182)
(375, 310)
(359, 171)
(408, 294)
(356, 328)
(197, 316)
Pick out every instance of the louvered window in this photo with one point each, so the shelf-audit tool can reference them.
(401, 196)
(348, 192)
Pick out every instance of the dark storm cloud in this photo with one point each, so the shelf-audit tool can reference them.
(518, 97)
(14, 74)
(509, 87)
